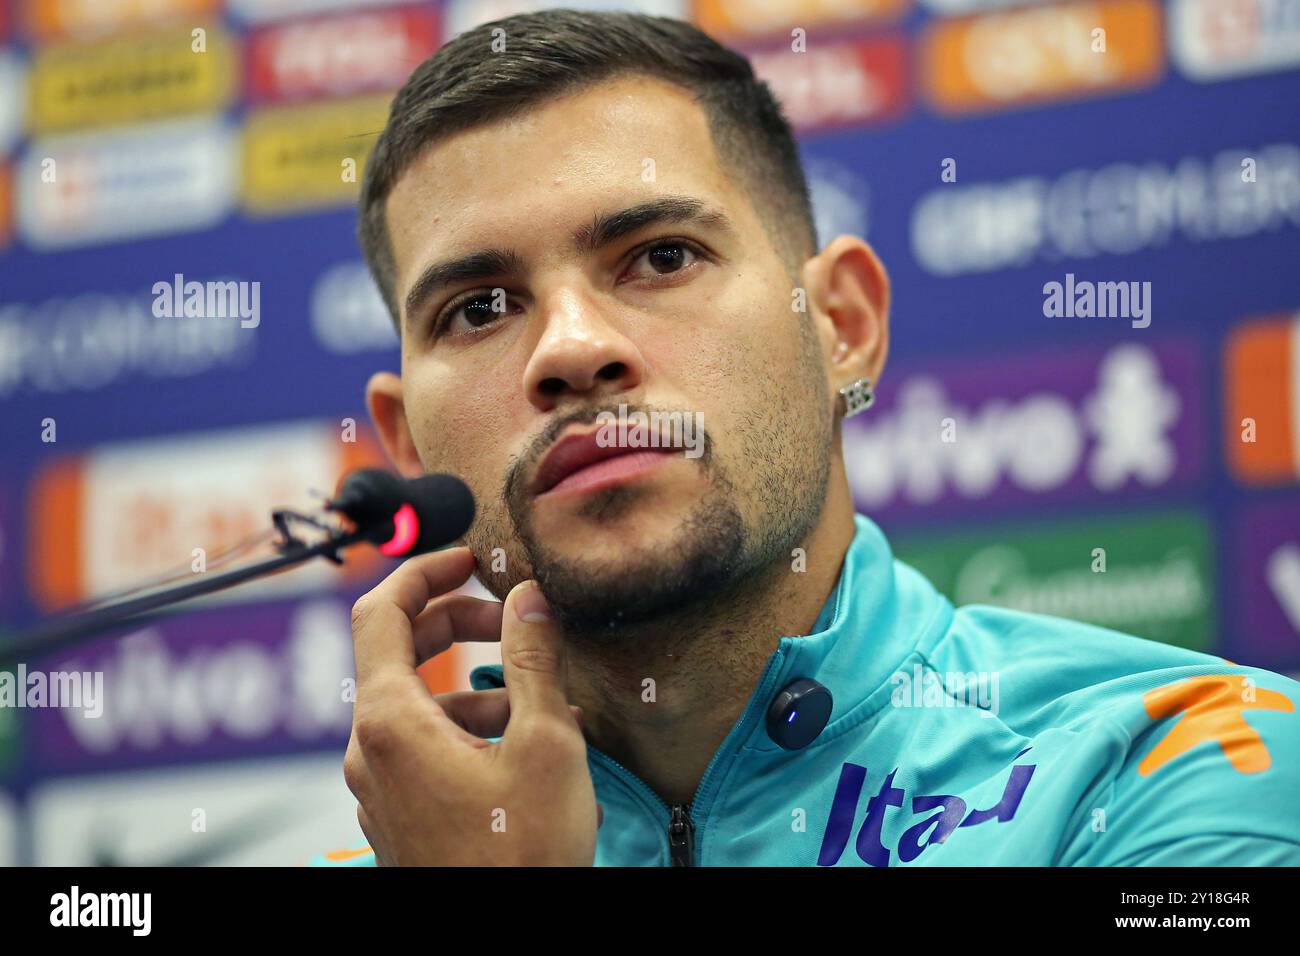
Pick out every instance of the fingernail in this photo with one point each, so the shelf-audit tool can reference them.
(530, 604)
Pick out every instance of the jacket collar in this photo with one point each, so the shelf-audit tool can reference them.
(879, 613)
(872, 622)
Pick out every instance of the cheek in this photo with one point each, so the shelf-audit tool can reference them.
(738, 362)
(433, 418)
(460, 431)
(720, 380)
(753, 382)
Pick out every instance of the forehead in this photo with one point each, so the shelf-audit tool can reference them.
(617, 142)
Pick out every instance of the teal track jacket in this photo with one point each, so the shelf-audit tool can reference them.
(976, 736)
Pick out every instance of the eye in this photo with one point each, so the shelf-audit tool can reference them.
(666, 257)
(476, 308)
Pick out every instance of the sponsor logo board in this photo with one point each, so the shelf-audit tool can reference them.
(1030, 428)
(1148, 575)
(92, 188)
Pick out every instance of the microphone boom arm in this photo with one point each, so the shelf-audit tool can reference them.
(61, 633)
(401, 517)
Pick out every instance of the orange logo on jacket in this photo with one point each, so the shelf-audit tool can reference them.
(1211, 709)
(342, 856)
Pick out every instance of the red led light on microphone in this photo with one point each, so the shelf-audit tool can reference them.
(406, 530)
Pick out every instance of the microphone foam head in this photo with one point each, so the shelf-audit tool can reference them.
(443, 507)
(406, 517)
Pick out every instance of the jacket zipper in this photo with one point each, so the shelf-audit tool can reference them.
(681, 829)
(681, 836)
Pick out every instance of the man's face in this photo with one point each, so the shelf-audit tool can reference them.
(691, 313)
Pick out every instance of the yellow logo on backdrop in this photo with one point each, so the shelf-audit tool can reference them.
(296, 157)
(131, 78)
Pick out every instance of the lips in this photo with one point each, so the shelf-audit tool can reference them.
(573, 453)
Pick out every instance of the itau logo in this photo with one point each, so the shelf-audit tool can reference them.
(935, 829)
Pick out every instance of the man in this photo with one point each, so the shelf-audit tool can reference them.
(576, 216)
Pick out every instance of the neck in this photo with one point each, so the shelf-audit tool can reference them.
(661, 701)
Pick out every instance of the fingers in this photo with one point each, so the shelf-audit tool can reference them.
(532, 658)
(577, 715)
(453, 618)
(382, 619)
(370, 832)
(483, 713)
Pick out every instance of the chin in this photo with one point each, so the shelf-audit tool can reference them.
(652, 560)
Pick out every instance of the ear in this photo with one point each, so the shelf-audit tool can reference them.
(848, 296)
(388, 412)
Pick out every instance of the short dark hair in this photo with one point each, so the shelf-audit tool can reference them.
(553, 52)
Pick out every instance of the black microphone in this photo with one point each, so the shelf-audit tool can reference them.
(405, 516)
(402, 516)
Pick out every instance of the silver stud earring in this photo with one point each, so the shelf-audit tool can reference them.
(858, 397)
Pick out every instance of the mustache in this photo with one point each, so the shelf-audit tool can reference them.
(525, 465)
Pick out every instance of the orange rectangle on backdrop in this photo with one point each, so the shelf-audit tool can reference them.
(49, 19)
(735, 19)
(1009, 58)
(6, 205)
(1261, 380)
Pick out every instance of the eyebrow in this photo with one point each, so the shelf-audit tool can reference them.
(603, 230)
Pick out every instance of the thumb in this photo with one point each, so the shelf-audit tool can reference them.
(532, 656)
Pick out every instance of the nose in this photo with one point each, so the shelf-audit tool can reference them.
(581, 353)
